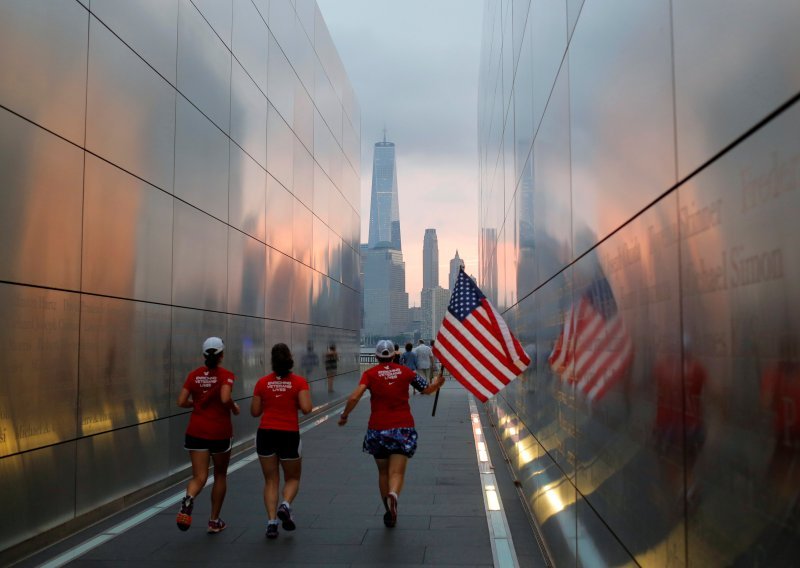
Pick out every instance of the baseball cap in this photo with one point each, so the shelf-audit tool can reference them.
(384, 348)
(213, 345)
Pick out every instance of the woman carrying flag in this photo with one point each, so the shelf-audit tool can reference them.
(391, 438)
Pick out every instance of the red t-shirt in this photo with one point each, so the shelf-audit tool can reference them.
(210, 419)
(280, 401)
(388, 385)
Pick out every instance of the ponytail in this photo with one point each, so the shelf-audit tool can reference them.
(212, 360)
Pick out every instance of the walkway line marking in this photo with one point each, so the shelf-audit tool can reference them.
(139, 518)
(503, 553)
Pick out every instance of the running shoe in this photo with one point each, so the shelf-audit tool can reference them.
(184, 519)
(391, 501)
(216, 526)
(272, 530)
(285, 515)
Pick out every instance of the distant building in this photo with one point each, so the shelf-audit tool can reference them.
(434, 307)
(430, 259)
(455, 264)
(384, 211)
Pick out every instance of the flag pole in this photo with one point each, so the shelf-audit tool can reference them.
(435, 402)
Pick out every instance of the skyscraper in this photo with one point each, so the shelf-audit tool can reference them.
(385, 298)
(455, 264)
(384, 212)
(430, 260)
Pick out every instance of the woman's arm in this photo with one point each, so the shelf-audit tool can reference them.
(183, 399)
(256, 407)
(351, 403)
(226, 396)
(435, 385)
(304, 401)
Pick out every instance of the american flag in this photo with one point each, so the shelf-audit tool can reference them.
(594, 349)
(475, 344)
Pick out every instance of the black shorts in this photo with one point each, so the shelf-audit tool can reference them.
(192, 443)
(285, 443)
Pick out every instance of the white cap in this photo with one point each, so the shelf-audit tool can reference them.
(384, 348)
(213, 345)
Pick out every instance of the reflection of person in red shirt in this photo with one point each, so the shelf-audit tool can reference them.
(391, 437)
(208, 392)
(679, 406)
(276, 398)
(780, 396)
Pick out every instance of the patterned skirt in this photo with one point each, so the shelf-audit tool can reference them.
(383, 443)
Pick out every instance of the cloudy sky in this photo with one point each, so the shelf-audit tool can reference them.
(414, 67)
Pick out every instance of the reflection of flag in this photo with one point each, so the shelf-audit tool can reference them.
(594, 349)
(475, 344)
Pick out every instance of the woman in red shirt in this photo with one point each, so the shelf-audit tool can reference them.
(207, 391)
(276, 398)
(391, 438)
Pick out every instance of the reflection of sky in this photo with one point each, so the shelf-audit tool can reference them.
(414, 68)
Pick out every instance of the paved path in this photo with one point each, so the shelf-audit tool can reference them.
(441, 521)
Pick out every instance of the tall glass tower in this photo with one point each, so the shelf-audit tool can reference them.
(384, 212)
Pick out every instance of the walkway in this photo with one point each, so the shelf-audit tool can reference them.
(442, 519)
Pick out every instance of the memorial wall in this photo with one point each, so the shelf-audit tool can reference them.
(639, 188)
(169, 170)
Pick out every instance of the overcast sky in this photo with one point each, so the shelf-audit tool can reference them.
(414, 67)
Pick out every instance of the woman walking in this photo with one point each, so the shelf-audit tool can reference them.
(391, 438)
(331, 365)
(207, 391)
(276, 398)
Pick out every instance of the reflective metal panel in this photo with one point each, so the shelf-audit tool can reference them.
(302, 238)
(250, 41)
(124, 363)
(321, 246)
(302, 289)
(130, 110)
(38, 397)
(246, 357)
(41, 178)
(43, 61)
(189, 329)
(551, 207)
(326, 101)
(280, 149)
(248, 115)
(218, 13)
(248, 194)
(200, 260)
(307, 352)
(547, 26)
(247, 259)
(752, 60)
(201, 161)
(623, 152)
(303, 174)
(126, 225)
(204, 66)
(335, 252)
(281, 23)
(323, 190)
(631, 412)
(279, 285)
(303, 124)
(278, 332)
(305, 13)
(148, 27)
(279, 220)
(740, 310)
(104, 473)
(282, 79)
(44, 477)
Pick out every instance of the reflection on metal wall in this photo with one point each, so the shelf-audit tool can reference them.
(169, 170)
(640, 179)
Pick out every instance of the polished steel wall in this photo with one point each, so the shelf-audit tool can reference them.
(169, 170)
(652, 146)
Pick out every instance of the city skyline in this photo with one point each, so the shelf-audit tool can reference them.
(423, 92)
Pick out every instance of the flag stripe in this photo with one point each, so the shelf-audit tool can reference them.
(499, 323)
(460, 345)
(499, 360)
(472, 372)
(459, 373)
